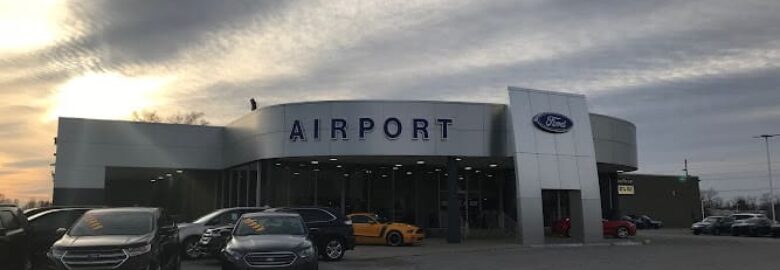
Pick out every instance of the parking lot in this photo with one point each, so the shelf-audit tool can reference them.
(652, 249)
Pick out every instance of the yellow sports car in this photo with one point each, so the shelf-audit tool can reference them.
(369, 230)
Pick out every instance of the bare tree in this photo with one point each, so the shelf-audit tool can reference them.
(30, 204)
(187, 118)
(146, 116)
(709, 194)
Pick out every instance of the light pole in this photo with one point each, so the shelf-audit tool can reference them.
(769, 167)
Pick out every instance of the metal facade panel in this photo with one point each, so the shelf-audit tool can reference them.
(545, 143)
(548, 171)
(560, 166)
(564, 142)
(569, 172)
(468, 134)
(79, 176)
(527, 168)
(523, 133)
(615, 141)
(583, 135)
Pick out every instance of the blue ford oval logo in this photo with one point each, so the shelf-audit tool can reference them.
(553, 122)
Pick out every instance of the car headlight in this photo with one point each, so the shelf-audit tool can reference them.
(135, 251)
(306, 252)
(231, 253)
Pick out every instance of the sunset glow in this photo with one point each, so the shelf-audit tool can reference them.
(26, 25)
(105, 96)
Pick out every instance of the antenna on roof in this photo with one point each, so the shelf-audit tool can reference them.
(253, 103)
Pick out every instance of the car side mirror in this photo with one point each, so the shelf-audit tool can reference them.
(60, 232)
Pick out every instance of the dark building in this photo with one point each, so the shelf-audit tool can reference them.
(669, 198)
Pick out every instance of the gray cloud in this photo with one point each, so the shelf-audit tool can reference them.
(29, 163)
(150, 31)
(697, 77)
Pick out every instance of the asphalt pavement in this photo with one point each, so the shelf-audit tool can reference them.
(666, 249)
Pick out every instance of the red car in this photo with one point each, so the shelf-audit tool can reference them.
(615, 228)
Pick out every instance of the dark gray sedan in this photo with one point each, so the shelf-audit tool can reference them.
(269, 240)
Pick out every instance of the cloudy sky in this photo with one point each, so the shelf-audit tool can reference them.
(698, 78)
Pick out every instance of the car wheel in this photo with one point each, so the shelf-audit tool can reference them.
(696, 232)
(734, 232)
(189, 248)
(621, 232)
(333, 250)
(716, 231)
(395, 239)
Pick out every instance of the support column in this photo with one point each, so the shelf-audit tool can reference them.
(528, 194)
(453, 206)
(258, 188)
(230, 188)
(613, 196)
(577, 230)
(343, 202)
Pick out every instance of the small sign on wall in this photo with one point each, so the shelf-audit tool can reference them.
(625, 189)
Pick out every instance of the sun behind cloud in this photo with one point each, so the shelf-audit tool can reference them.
(106, 96)
(29, 25)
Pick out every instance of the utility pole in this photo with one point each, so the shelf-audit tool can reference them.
(769, 168)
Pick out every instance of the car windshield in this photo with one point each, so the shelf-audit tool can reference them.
(270, 225)
(113, 223)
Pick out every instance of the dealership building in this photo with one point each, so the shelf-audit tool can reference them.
(508, 169)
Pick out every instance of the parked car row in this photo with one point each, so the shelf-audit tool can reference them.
(643, 221)
(75, 237)
(737, 224)
(614, 228)
(88, 238)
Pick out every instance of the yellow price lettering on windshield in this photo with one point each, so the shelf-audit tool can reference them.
(93, 223)
(254, 225)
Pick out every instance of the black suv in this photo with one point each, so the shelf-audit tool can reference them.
(722, 226)
(44, 231)
(331, 231)
(270, 240)
(14, 238)
(645, 222)
(119, 238)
